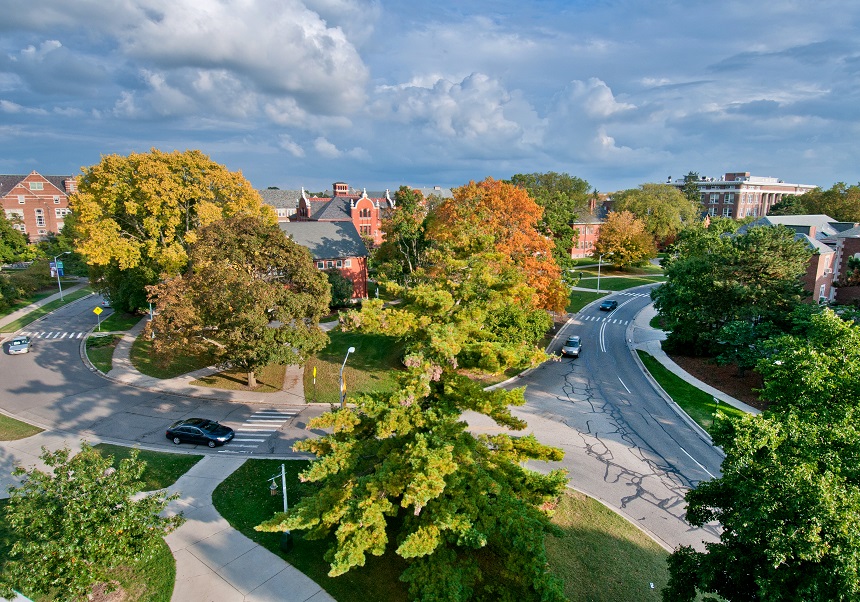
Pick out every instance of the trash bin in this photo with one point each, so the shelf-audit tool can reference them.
(286, 541)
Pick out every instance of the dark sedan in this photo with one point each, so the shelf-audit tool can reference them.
(200, 431)
(609, 305)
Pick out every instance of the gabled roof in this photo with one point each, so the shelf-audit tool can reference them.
(331, 210)
(823, 223)
(815, 245)
(852, 233)
(327, 240)
(281, 198)
(8, 182)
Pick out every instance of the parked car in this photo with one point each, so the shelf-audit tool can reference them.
(19, 345)
(572, 346)
(200, 431)
(608, 305)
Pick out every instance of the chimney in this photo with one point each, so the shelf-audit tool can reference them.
(71, 185)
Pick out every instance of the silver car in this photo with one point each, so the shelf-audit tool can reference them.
(19, 345)
(572, 346)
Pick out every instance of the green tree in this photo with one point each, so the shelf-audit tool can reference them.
(663, 208)
(77, 521)
(789, 495)
(141, 213)
(404, 249)
(341, 288)
(403, 471)
(691, 189)
(624, 241)
(714, 279)
(840, 201)
(14, 244)
(250, 295)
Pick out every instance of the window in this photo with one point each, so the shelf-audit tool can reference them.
(347, 263)
(37, 185)
(56, 200)
(712, 211)
(727, 211)
(40, 218)
(282, 212)
(339, 263)
(730, 197)
(330, 264)
(320, 265)
(364, 213)
(364, 230)
(715, 197)
(61, 212)
(21, 199)
(43, 231)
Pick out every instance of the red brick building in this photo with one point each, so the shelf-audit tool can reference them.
(35, 204)
(365, 212)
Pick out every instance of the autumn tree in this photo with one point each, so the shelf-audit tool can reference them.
(405, 244)
(250, 295)
(79, 520)
(624, 241)
(139, 214)
(663, 208)
(789, 495)
(715, 279)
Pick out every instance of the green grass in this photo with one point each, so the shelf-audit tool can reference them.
(269, 379)
(146, 363)
(45, 309)
(602, 557)
(579, 299)
(244, 500)
(372, 367)
(120, 322)
(100, 351)
(162, 468)
(12, 430)
(698, 405)
(618, 283)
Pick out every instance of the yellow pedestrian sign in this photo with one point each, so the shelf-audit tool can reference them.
(98, 311)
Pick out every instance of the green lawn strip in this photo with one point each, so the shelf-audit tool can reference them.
(579, 299)
(372, 367)
(100, 351)
(162, 468)
(698, 405)
(147, 363)
(656, 322)
(602, 557)
(269, 379)
(12, 430)
(45, 310)
(120, 322)
(244, 500)
(618, 283)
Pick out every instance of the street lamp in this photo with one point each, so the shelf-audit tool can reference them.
(599, 261)
(57, 268)
(342, 387)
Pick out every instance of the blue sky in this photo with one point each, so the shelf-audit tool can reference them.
(378, 93)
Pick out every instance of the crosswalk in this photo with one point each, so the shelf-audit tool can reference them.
(261, 425)
(590, 318)
(625, 294)
(53, 334)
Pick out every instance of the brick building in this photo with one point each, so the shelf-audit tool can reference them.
(738, 194)
(35, 204)
(363, 210)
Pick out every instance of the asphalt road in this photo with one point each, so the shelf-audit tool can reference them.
(624, 445)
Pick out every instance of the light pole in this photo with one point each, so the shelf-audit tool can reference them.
(599, 261)
(342, 387)
(57, 268)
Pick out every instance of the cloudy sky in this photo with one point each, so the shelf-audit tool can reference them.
(380, 93)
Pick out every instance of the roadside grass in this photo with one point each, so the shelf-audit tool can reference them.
(100, 351)
(698, 405)
(657, 322)
(579, 299)
(119, 321)
(12, 429)
(146, 363)
(162, 468)
(372, 367)
(45, 309)
(618, 283)
(245, 501)
(269, 379)
(602, 557)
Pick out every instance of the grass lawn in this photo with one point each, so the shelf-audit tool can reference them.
(45, 309)
(162, 468)
(12, 430)
(142, 359)
(696, 403)
(579, 299)
(601, 556)
(269, 379)
(372, 367)
(120, 322)
(619, 283)
(244, 500)
(100, 351)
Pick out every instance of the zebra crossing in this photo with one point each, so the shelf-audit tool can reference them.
(590, 318)
(261, 425)
(49, 334)
(625, 294)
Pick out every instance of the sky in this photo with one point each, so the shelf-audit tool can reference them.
(379, 94)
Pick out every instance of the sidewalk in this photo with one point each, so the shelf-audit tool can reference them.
(20, 313)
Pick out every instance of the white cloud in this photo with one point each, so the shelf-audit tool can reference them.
(326, 148)
(7, 106)
(287, 143)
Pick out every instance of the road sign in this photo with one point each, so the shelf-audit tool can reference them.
(97, 311)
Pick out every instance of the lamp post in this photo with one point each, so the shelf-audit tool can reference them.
(599, 261)
(57, 268)
(342, 388)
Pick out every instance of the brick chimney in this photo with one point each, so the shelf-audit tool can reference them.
(71, 185)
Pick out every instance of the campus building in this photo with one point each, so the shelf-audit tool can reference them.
(35, 204)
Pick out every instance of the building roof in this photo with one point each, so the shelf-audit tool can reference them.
(327, 240)
(825, 226)
(852, 233)
(288, 199)
(815, 245)
(8, 182)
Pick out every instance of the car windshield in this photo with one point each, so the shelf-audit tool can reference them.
(572, 341)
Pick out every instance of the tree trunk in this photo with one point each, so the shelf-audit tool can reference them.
(252, 380)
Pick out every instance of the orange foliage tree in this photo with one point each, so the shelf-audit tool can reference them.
(494, 216)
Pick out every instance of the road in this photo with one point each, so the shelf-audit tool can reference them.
(51, 387)
(624, 445)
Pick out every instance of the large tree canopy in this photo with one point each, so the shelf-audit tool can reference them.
(250, 295)
(714, 279)
(14, 245)
(79, 520)
(840, 201)
(141, 212)
(663, 208)
(624, 241)
(789, 495)
(405, 246)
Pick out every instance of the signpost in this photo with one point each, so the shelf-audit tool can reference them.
(98, 312)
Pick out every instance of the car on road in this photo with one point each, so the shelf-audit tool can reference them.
(19, 345)
(572, 346)
(200, 431)
(608, 305)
